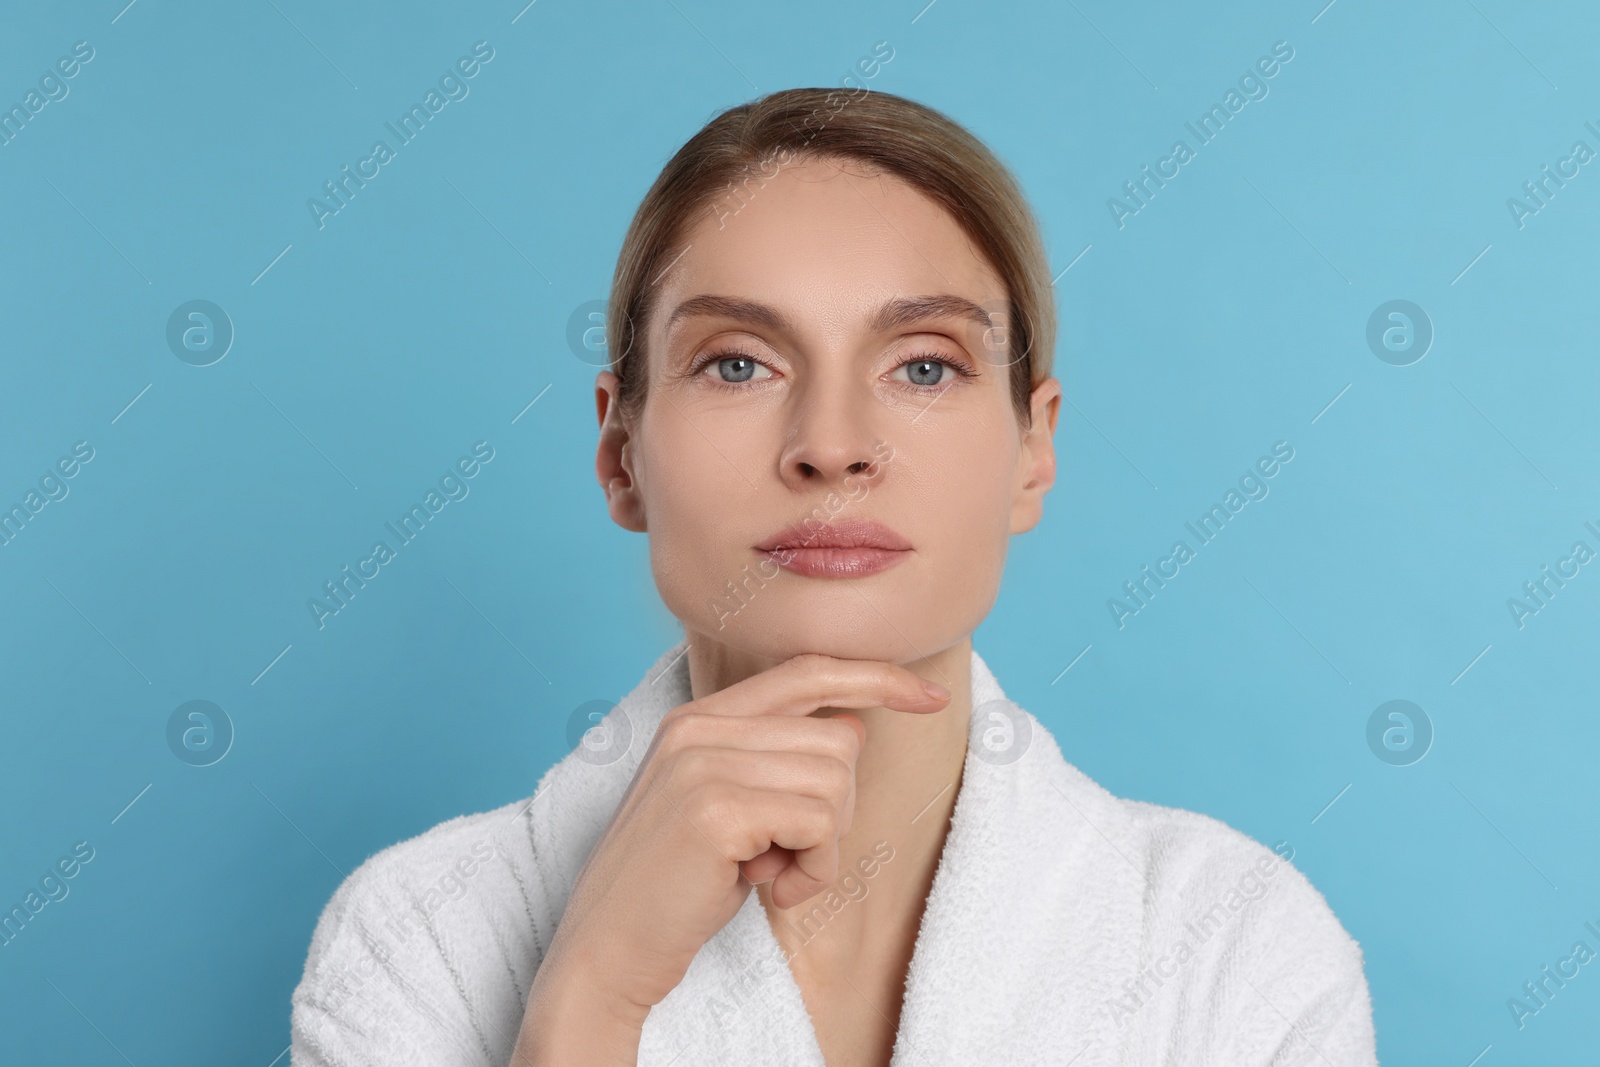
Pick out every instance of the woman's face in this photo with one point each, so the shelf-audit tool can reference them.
(813, 360)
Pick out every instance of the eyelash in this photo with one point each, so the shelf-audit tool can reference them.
(962, 372)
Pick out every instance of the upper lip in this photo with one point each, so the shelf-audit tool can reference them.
(857, 533)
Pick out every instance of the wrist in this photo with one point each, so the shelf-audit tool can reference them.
(573, 1018)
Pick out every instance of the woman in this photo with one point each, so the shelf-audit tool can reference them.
(830, 407)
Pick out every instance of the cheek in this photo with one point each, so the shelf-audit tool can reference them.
(689, 491)
(961, 493)
(970, 483)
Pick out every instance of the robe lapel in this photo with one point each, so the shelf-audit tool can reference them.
(1019, 943)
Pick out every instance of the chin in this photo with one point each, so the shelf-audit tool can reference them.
(835, 619)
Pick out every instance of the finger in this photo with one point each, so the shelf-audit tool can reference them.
(794, 886)
(805, 683)
(790, 773)
(743, 823)
(844, 716)
(812, 833)
(749, 826)
(768, 733)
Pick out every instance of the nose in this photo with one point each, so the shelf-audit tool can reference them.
(831, 435)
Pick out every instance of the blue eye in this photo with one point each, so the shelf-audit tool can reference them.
(731, 368)
(736, 369)
(925, 372)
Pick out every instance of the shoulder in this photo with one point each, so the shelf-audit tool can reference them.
(1267, 962)
(1190, 855)
(1190, 864)
(1194, 861)
(426, 948)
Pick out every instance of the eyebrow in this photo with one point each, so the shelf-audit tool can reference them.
(892, 314)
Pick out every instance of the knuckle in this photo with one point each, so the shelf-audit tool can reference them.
(691, 764)
(666, 732)
(822, 820)
(709, 803)
(726, 820)
(840, 779)
(844, 739)
(681, 728)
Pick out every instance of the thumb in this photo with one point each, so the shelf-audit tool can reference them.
(766, 867)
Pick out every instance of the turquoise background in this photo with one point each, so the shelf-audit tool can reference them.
(370, 354)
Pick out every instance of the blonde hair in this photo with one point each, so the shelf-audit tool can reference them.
(911, 141)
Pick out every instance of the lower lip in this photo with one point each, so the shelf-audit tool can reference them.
(836, 562)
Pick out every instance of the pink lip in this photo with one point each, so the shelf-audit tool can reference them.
(836, 550)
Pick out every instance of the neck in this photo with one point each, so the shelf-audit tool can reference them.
(907, 778)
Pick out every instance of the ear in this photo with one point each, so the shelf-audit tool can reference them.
(613, 466)
(1036, 462)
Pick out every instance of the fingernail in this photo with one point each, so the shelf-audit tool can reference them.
(935, 690)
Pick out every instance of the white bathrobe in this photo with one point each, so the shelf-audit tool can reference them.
(1064, 926)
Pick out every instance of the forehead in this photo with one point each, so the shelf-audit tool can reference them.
(828, 244)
